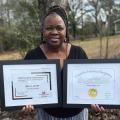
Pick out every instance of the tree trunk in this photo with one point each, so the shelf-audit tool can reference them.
(107, 46)
(1, 46)
(100, 46)
(8, 14)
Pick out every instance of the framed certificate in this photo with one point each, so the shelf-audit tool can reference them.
(35, 82)
(92, 82)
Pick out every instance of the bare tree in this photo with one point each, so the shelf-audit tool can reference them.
(75, 15)
(96, 4)
(96, 10)
(108, 7)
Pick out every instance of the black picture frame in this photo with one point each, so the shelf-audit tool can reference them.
(93, 62)
(29, 62)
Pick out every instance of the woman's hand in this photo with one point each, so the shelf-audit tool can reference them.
(98, 109)
(28, 108)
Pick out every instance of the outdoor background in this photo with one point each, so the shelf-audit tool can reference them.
(93, 24)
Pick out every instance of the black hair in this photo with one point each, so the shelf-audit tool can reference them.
(62, 13)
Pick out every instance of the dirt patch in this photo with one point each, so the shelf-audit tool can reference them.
(11, 55)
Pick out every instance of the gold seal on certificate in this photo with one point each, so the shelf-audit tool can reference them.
(33, 82)
(92, 92)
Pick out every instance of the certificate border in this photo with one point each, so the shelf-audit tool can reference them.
(26, 62)
(23, 96)
(65, 80)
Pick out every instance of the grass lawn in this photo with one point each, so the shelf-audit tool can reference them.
(91, 46)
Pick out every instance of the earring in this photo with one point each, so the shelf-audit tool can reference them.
(65, 40)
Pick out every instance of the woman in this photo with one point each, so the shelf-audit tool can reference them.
(56, 45)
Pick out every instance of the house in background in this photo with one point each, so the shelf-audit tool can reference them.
(117, 26)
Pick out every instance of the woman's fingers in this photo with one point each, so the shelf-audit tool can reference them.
(23, 109)
(97, 108)
(94, 108)
(28, 108)
(102, 109)
(32, 107)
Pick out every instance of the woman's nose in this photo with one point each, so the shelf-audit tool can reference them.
(54, 31)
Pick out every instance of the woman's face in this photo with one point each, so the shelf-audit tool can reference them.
(54, 30)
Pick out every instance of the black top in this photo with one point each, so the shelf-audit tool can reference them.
(75, 53)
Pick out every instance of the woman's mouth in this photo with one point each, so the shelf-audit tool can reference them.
(54, 39)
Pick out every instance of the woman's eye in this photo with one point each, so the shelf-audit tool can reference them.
(49, 28)
(59, 28)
